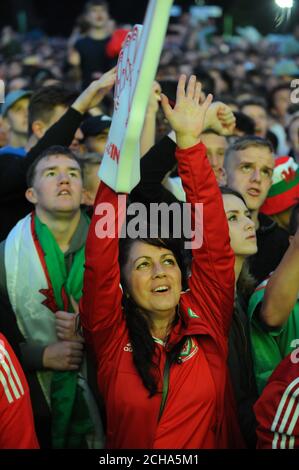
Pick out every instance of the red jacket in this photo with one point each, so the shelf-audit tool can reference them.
(132, 418)
(16, 419)
(277, 409)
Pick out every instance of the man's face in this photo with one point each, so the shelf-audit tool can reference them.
(76, 144)
(57, 186)
(282, 101)
(97, 143)
(260, 117)
(91, 182)
(17, 116)
(250, 172)
(97, 16)
(216, 147)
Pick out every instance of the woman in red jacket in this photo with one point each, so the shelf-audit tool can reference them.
(161, 352)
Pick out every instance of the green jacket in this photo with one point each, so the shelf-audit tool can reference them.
(269, 345)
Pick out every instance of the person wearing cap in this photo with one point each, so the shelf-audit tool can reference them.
(284, 192)
(95, 130)
(91, 162)
(15, 115)
(273, 311)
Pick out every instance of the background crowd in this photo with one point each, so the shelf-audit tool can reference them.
(58, 109)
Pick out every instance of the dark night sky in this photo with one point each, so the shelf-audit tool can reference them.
(57, 16)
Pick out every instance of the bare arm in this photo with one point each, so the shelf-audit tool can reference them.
(148, 135)
(212, 280)
(73, 57)
(282, 289)
(95, 92)
(100, 306)
(13, 171)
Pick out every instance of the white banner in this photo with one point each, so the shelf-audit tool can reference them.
(136, 70)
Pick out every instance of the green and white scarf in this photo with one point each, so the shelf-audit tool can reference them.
(38, 284)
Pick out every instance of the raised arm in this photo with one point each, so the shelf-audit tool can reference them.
(63, 131)
(13, 171)
(148, 135)
(282, 289)
(100, 306)
(212, 280)
(160, 159)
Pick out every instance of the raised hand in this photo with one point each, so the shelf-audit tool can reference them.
(188, 116)
(95, 92)
(220, 118)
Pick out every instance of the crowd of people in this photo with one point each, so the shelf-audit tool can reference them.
(116, 343)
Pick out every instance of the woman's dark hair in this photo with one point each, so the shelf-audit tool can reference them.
(143, 345)
(272, 93)
(227, 190)
(246, 282)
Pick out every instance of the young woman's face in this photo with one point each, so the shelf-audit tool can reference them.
(153, 278)
(241, 226)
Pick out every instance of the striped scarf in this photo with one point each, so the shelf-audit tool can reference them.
(38, 284)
